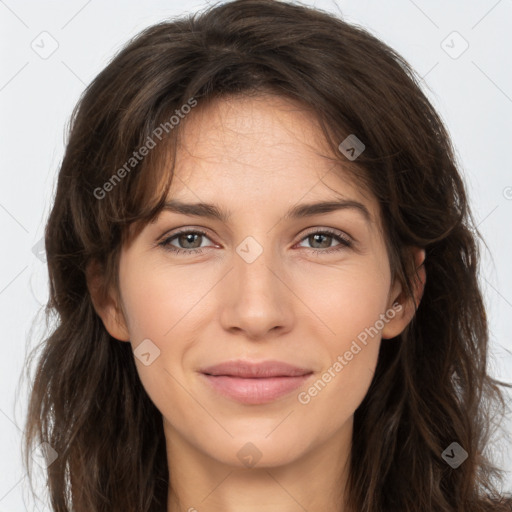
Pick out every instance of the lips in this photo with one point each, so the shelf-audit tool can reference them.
(248, 370)
(255, 383)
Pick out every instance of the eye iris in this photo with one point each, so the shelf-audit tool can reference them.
(186, 238)
(328, 237)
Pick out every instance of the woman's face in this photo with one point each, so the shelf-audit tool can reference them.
(263, 288)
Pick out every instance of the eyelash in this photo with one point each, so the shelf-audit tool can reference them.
(344, 242)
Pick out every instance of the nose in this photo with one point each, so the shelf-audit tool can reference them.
(256, 299)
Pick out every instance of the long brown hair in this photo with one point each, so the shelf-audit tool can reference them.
(431, 385)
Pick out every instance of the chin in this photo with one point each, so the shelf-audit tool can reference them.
(257, 451)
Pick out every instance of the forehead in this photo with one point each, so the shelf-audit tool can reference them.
(258, 151)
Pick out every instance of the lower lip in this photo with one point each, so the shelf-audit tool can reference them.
(255, 391)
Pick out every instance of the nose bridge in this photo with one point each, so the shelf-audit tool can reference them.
(256, 301)
(253, 261)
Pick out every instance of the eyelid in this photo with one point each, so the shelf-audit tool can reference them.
(178, 231)
(333, 231)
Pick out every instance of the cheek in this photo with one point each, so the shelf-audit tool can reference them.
(161, 305)
(346, 300)
(350, 362)
(158, 299)
(350, 307)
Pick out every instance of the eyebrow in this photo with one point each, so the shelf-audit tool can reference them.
(300, 211)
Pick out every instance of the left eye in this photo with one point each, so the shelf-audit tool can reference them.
(343, 240)
(192, 237)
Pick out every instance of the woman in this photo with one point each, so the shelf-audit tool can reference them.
(322, 343)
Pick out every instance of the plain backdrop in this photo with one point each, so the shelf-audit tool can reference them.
(50, 50)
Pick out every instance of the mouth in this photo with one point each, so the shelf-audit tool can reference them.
(255, 383)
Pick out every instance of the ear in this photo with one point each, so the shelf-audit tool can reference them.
(406, 308)
(105, 303)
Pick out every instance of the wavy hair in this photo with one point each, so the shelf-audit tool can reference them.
(431, 385)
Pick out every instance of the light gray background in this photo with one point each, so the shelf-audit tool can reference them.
(472, 92)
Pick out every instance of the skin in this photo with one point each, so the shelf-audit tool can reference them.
(257, 157)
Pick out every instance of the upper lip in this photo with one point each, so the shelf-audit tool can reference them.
(248, 369)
